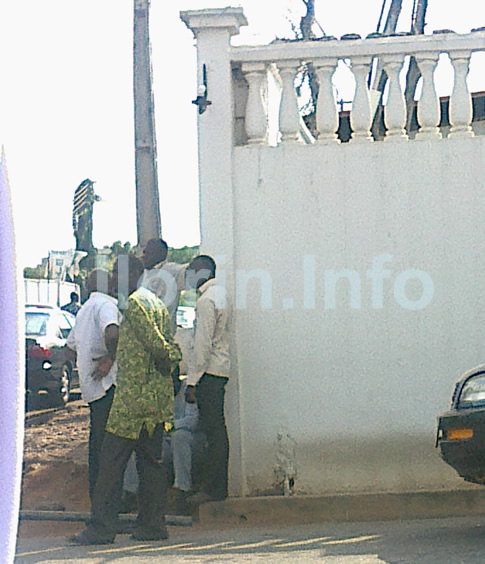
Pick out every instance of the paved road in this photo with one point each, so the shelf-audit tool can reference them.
(432, 541)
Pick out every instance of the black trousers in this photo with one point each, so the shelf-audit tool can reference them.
(152, 489)
(210, 392)
(98, 416)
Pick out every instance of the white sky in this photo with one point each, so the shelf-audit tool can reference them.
(66, 108)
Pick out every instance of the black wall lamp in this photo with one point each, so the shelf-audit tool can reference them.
(201, 101)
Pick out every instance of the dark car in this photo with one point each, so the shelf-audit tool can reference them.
(50, 377)
(461, 430)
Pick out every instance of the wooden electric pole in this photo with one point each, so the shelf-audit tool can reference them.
(414, 74)
(148, 221)
(417, 27)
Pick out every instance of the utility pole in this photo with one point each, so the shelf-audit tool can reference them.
(418, 24)
(148, 221)
(380, 75)
(390, 27)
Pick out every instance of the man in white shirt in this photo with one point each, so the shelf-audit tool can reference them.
(94, 338)
(209, 374)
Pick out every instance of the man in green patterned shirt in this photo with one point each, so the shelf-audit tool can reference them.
(143, 402)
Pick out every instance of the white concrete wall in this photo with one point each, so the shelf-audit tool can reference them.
(357, 389)
(352, 386)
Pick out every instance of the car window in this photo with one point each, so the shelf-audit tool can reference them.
(473, 392)
(36, 323)
(65, 325)
(70, 319)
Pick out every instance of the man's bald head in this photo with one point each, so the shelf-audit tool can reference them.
(98, 281)
(154, 252)
(127, 271)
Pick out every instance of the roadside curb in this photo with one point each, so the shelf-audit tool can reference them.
(289, 510)
(27, 515)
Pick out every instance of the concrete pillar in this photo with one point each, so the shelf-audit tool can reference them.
(213, 29)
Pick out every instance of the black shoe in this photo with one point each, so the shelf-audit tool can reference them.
(87, 537)
(199, 497)
(144, 535)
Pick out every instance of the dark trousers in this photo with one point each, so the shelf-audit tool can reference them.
(210, 393)
(98, 416)
(152, 489)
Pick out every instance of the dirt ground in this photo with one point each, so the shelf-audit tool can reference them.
(55, 470)
(55, 467)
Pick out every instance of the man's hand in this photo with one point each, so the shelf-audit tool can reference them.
(103, 367)
(162, 364)
(190, 394)
(69, 355)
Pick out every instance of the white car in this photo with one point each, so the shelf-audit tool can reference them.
(185, 317)
(49, 376)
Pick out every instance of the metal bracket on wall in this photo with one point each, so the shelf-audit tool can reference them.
(202, 101)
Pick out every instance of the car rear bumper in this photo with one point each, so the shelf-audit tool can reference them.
(461, 438)
(468, 459)
(40, 379)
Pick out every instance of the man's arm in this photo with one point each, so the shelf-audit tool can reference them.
(111, 334)
(154, 334)
(104, 364)
(204, 334)
(69, 354)
(190, 419)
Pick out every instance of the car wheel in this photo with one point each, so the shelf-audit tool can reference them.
(64, 390)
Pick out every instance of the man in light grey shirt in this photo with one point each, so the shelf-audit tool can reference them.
(209, 374)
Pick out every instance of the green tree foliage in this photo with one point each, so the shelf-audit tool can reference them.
(110, 254)
(188, 297)
(182, 255)
(37, 272)
(119, 248)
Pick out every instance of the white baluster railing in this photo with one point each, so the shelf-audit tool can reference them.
(461, 110)
(289, 112)
(361, 116)
(327, 114)
(391, 51)
(395, 112)
(429, 104)
(256, 115)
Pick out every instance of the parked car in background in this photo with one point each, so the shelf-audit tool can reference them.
(185, 317)
(461, 430)
(50, 377)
